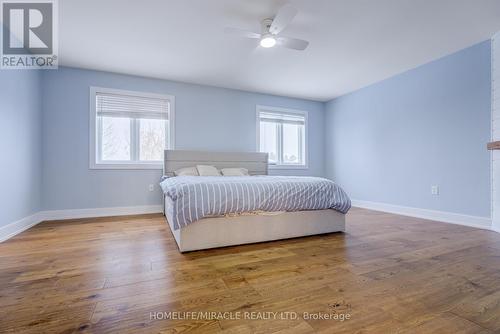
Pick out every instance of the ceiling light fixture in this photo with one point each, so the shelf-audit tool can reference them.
(268, 41)
(271, 29)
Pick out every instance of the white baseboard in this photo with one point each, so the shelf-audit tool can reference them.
(12, 229)
(100, 212)
(496, 229)
(441, 216)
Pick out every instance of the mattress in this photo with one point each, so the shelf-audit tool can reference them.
(169, 207)
(197, 197)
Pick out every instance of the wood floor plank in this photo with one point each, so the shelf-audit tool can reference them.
(390, 274)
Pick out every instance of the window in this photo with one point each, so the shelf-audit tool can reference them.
(129, 130)
(282, 134)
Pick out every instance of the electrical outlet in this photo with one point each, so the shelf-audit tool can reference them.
(435, 190)
(151, 187)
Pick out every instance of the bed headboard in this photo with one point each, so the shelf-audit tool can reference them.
(256, 163)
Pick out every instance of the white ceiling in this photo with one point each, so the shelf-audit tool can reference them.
(353, 43)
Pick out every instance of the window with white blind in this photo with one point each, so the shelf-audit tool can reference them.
(129, 130)
(283, 134)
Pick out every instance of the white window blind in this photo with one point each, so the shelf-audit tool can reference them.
(114, 105)
(282, 118)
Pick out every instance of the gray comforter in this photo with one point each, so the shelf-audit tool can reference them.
(197, 197)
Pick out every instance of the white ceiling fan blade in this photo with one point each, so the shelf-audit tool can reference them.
(285, 15)
(241, 33)
(292, 43)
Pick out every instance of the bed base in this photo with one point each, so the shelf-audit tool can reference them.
(238, 230)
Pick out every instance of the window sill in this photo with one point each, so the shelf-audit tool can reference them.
(288, 167)
(125, 166)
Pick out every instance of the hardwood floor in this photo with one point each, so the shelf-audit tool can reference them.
(387, 273)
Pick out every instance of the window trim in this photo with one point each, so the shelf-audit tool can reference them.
(93, 127)
(263, 108)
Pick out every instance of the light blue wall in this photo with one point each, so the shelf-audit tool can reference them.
(20, 144)
(207, 118)
(391, 141)
(386, 143)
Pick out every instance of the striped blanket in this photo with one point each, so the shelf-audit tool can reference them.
(197, 197)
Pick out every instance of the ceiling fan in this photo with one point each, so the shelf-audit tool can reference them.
(271, 28)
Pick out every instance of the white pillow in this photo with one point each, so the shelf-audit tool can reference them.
(187, 171)
(234, 171)
(205, 170)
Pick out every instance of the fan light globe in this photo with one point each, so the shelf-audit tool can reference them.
(268, 41)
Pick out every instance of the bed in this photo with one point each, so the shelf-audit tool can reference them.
(210, 212)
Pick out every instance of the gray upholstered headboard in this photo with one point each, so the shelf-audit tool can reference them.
(256, 163)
